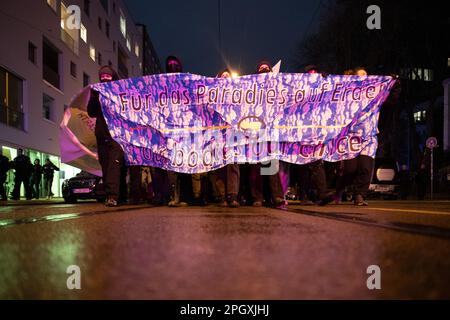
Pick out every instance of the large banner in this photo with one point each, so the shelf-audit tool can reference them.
(190, 123)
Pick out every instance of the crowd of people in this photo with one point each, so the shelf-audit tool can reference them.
(30, 175)
(232, 185)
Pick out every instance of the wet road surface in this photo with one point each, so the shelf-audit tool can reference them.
(306, 252)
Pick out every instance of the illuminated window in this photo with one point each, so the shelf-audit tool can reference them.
(421, 74)
(69, 36)
(11, 100)
(448, 62)
(123, 24)
(420, 116)
(83, 33)
(136, 50)
(427, 74)
(128, 43)
(92, 52)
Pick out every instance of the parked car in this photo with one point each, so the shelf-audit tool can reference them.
(82, 187)
(385, 180)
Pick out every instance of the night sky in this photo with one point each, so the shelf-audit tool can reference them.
(252, 30)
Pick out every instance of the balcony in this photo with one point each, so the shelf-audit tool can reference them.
(51, 76)
(69, 41)
(11, 117)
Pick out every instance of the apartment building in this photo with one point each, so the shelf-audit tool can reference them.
(45, 61)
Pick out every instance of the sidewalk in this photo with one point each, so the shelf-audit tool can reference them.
(34, 202)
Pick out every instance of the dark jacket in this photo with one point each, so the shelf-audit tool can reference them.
(49, 169)
(94, 110)
(37, 172)
(22, 165)
(4, 165)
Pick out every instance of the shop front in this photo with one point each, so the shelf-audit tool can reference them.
(65, 171)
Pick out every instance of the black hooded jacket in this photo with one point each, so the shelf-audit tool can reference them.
(94, 109)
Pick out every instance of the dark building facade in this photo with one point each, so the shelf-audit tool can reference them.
(150, 60)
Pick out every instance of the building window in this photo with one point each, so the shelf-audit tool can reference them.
(50, 64)
(122, 63)
(32, 52)
(420, 117)
(73, 69)
(129, 43)
(123, 24)
(136, 50)
(92, 52)
(427, 75)
(47, 107)
(104, 4)
(107, 28)
(83, 33)
(114, 46)
(100, 23)
(11, 100)
(448, 62)
(86, 80)
(52, 4)
(99, 58)
(87, 7)
(114, 7)
(421, 74)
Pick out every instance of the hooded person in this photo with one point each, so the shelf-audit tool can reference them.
(217, 177)
(358, 172)
(23, 169)
(255, 181)
(110, 153)
(315, 170)
(270, 186)
(173, 65)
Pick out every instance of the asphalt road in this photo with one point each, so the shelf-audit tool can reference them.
(306, 252)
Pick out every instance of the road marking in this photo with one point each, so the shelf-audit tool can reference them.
(412, 211)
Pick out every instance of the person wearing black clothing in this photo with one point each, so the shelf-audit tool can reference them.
(110, 153)
(48, 171)
(358, 171)
(4, 167)
(173, 65)
(23, 168)
(316, 170)
(36, 176)
(255, 180)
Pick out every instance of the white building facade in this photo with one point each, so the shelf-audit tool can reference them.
(44, 63)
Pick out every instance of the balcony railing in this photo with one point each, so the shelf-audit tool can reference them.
(69, 41)
(11, 117)
(51, 76)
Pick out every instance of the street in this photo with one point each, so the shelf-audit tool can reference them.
(305, 252)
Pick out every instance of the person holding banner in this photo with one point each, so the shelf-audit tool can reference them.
(217, 178)
(255, 179)
(316, 169)
(110, 153)
(173, 65)
(357, 171)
